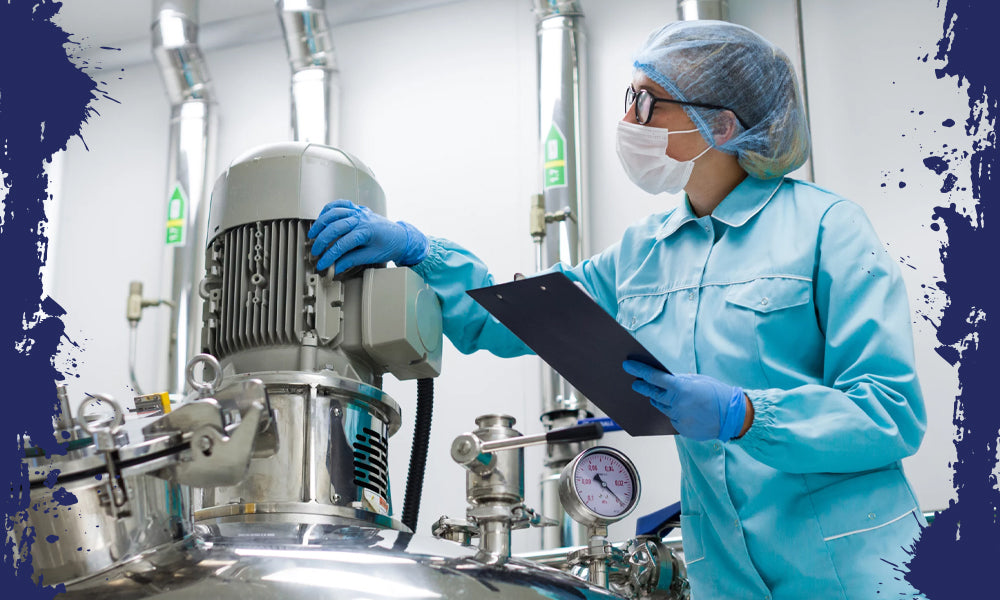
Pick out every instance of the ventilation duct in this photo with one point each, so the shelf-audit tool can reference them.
(314, 86)
(561, 83)
(192, 137)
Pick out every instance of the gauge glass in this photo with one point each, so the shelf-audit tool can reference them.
(604, 484)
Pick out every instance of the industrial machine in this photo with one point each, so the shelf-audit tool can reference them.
(270, 479)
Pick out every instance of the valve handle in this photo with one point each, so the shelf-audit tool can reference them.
(576, 433)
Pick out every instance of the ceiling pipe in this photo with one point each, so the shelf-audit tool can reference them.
(190, 163)
(801, 42)
(559, 217)
(315, 78)
(694, 10)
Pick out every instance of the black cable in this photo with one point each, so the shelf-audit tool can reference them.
(418, 452)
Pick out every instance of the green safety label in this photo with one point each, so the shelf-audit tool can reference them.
(555, 158)
(176, 207)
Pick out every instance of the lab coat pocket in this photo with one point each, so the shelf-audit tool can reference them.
(770, 294)
(862, 503)
(691, 535)
(775, 318)
(868, 520)
(636, 311)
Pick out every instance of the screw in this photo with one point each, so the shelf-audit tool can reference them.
(205, 445)
(336, 498)
(336, 412)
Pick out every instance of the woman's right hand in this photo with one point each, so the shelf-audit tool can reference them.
(349, 235)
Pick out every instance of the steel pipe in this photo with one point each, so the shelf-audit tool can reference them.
(315, 78)
(190, 164)
(562, 136)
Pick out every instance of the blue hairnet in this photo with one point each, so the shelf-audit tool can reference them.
(715, 62)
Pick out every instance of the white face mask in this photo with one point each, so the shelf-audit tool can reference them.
(642, 152)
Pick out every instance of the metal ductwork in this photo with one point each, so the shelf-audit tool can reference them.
(192, 137)
(694, 10)
(315, 79)
(558, 219)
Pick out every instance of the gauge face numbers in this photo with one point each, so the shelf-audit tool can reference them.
(604, 484)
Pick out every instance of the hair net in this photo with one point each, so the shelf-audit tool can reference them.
(715, 62)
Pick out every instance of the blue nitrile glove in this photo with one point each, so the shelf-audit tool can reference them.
(357, 236)
(699, 407)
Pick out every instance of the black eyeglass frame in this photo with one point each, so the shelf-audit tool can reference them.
(632, 97)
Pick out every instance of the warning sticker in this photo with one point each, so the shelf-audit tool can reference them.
(555, 158)
(375, 502)
(176, 213)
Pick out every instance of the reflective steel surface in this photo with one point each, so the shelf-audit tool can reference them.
(248, 562)
(330, 456)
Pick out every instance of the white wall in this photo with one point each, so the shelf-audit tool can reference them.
(440, 103)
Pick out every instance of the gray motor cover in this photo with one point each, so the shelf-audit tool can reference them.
(290, 180)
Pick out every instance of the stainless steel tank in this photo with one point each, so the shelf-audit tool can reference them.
(337, 561)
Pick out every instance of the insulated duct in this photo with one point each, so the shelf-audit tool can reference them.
(561, 83)
(315, 79)
(192, 137)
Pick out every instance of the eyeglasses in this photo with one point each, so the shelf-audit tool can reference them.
(644, 103)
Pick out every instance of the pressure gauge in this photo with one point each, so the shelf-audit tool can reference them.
(600, 486)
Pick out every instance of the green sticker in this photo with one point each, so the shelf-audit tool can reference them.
(176, 220)
(555, 158)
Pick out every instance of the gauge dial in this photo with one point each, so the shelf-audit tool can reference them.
(599, 486)
(604, 484)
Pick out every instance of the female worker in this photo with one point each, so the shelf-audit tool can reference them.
(772, 298)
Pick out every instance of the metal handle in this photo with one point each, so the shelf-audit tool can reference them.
(576, 433)
(204, 387)
(116, 420)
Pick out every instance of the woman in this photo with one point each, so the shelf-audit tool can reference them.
(774, 298)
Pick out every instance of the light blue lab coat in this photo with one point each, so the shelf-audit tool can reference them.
(786, 291)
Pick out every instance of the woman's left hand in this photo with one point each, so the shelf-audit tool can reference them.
(698, 406)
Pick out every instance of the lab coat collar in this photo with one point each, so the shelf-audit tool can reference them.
(735, 210)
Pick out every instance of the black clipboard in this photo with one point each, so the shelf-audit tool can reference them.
(582, 342)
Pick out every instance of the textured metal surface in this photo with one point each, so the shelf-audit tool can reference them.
(256, 285)
(292, 562)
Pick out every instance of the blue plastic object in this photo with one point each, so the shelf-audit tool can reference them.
(605, 422)
(661, 522)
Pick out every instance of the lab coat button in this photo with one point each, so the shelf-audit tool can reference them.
(871, 516)
(763, 301)
(690, 295)
(633, 320)
(717, 447)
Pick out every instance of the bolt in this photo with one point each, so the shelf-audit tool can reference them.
(336, 412)
(336, 498)
(205, 445)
